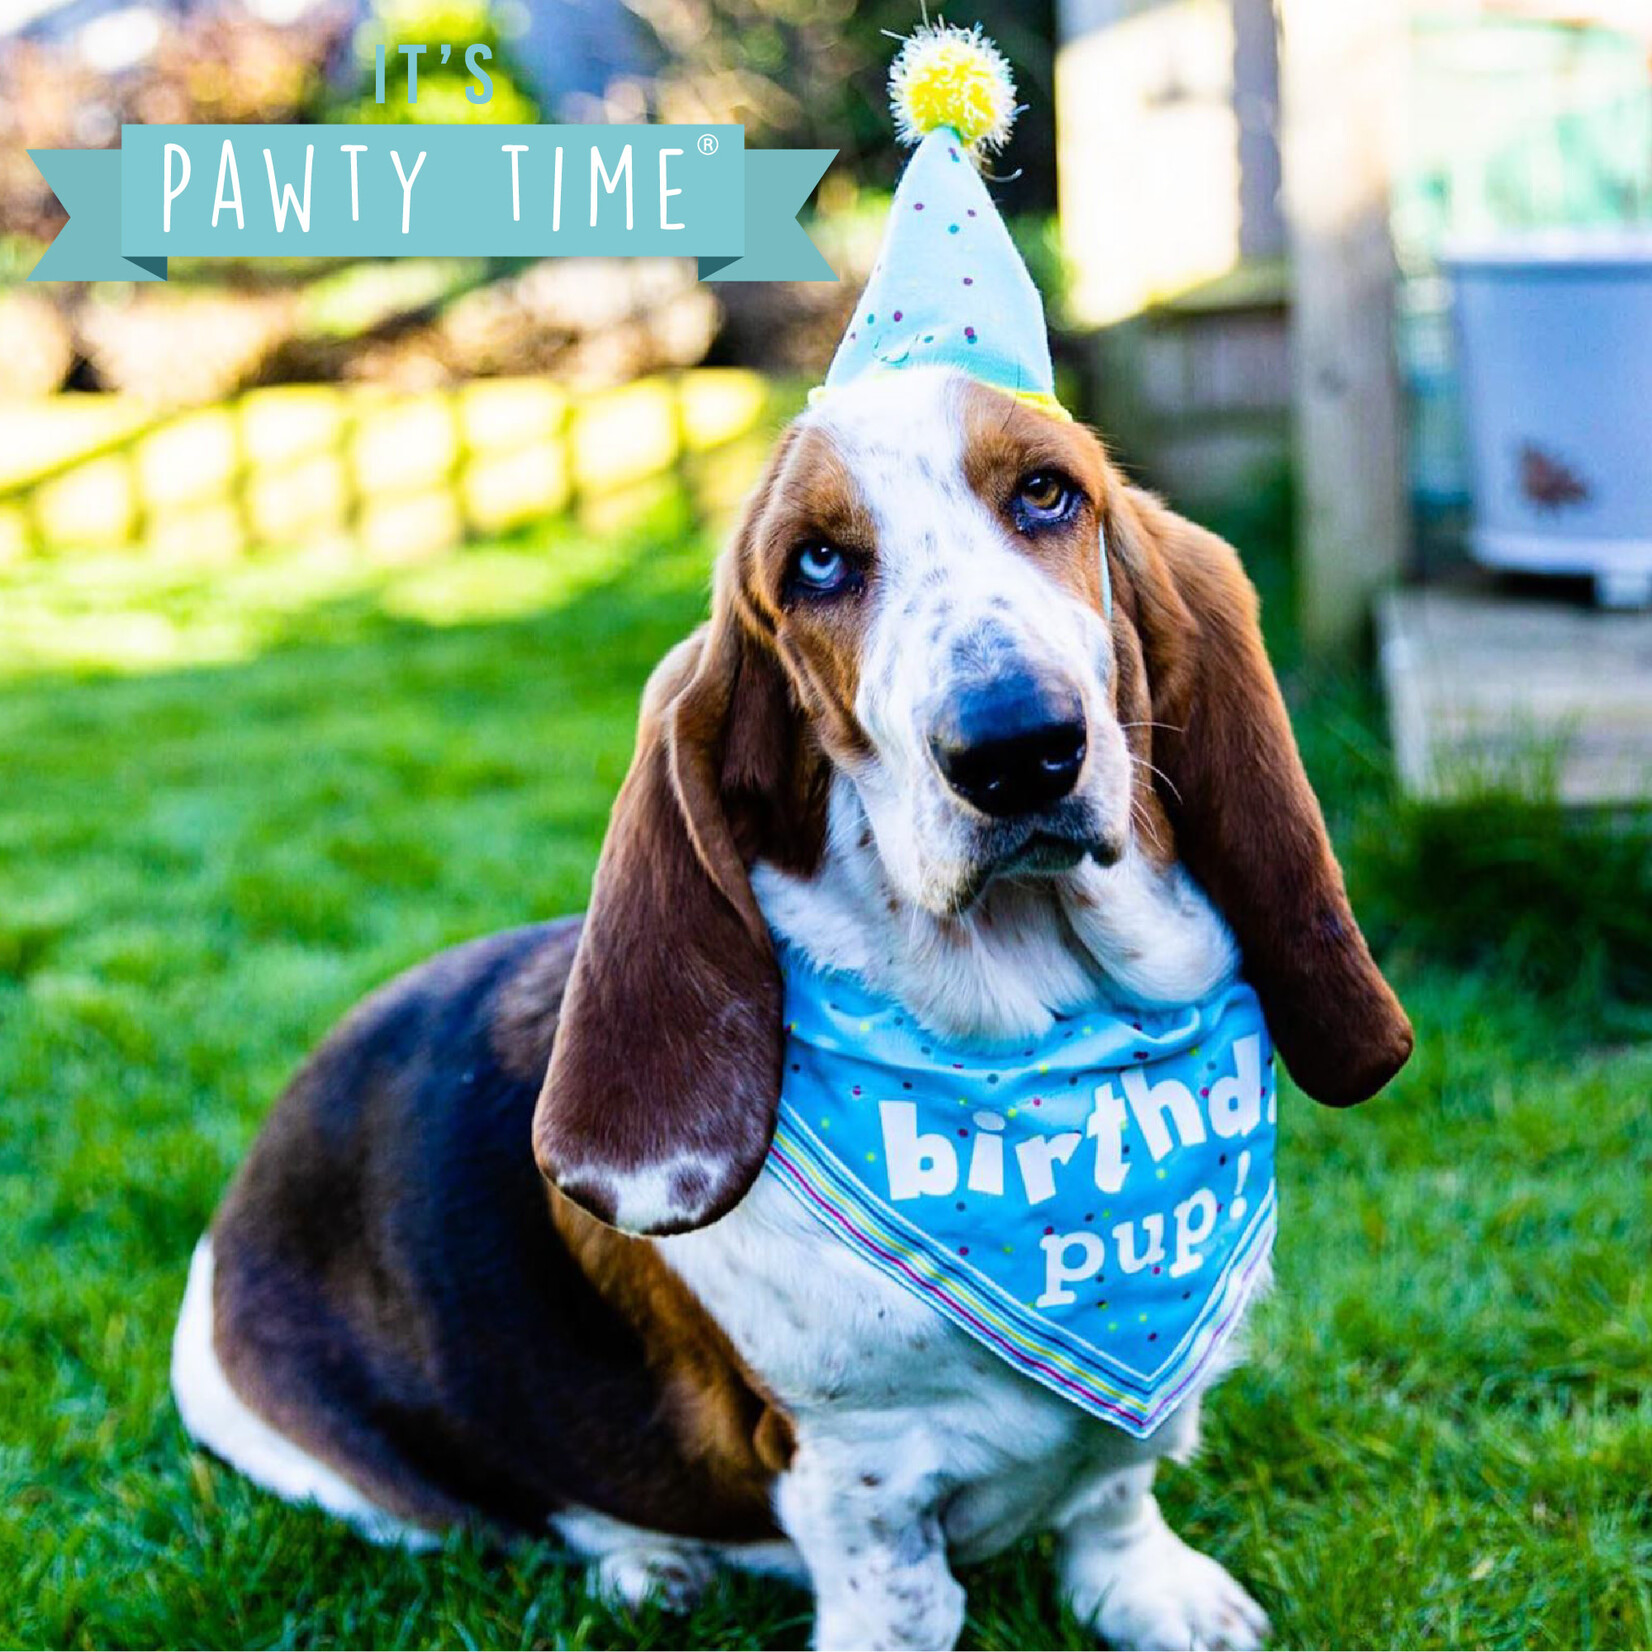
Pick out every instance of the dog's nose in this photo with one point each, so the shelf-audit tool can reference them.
(1011, 746)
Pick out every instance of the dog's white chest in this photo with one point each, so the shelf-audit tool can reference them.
(882, 1386)
(890, 1402)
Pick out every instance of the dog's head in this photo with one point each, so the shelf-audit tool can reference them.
(918, 601)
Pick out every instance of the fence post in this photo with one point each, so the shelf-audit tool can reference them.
(1343, 95)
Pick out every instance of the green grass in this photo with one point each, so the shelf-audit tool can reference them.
(296, 782)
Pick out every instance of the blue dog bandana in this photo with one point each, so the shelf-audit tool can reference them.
(1095, 1207)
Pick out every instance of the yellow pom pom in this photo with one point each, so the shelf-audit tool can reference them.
(945, 76)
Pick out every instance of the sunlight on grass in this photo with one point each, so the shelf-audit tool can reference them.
(491, 585)
(122, 613)
(1442, 1435)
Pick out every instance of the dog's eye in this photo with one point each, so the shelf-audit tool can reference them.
(820, 570)
(1044, 497)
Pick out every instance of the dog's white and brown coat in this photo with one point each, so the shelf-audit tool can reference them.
(412, 1306)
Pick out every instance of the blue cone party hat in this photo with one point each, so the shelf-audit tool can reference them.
(949, 289)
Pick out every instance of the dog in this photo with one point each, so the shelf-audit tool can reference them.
(973, 719)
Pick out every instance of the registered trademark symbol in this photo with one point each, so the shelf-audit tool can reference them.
(708, 143)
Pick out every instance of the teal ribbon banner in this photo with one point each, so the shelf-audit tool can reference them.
(432, 191)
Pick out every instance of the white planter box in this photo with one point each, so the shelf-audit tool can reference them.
(1555, 340)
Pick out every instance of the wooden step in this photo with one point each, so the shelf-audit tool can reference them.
(1485, 686)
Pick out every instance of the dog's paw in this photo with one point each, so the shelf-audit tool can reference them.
(661, 1575)
(1157, 1592)
(912, 1614)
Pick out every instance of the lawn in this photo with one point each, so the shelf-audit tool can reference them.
(231, 801)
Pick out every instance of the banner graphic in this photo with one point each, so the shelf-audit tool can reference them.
(374, 191)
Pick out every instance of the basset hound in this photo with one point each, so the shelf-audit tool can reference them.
(973, 720)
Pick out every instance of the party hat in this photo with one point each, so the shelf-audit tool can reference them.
(949, 289)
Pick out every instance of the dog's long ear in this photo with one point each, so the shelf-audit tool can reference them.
(1247, 823)
(658, 1107)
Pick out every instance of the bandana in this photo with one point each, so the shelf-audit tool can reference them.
(1094, 1206)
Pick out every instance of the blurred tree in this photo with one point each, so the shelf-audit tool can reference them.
(808, 73)
(812, 73)
(211, 65)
